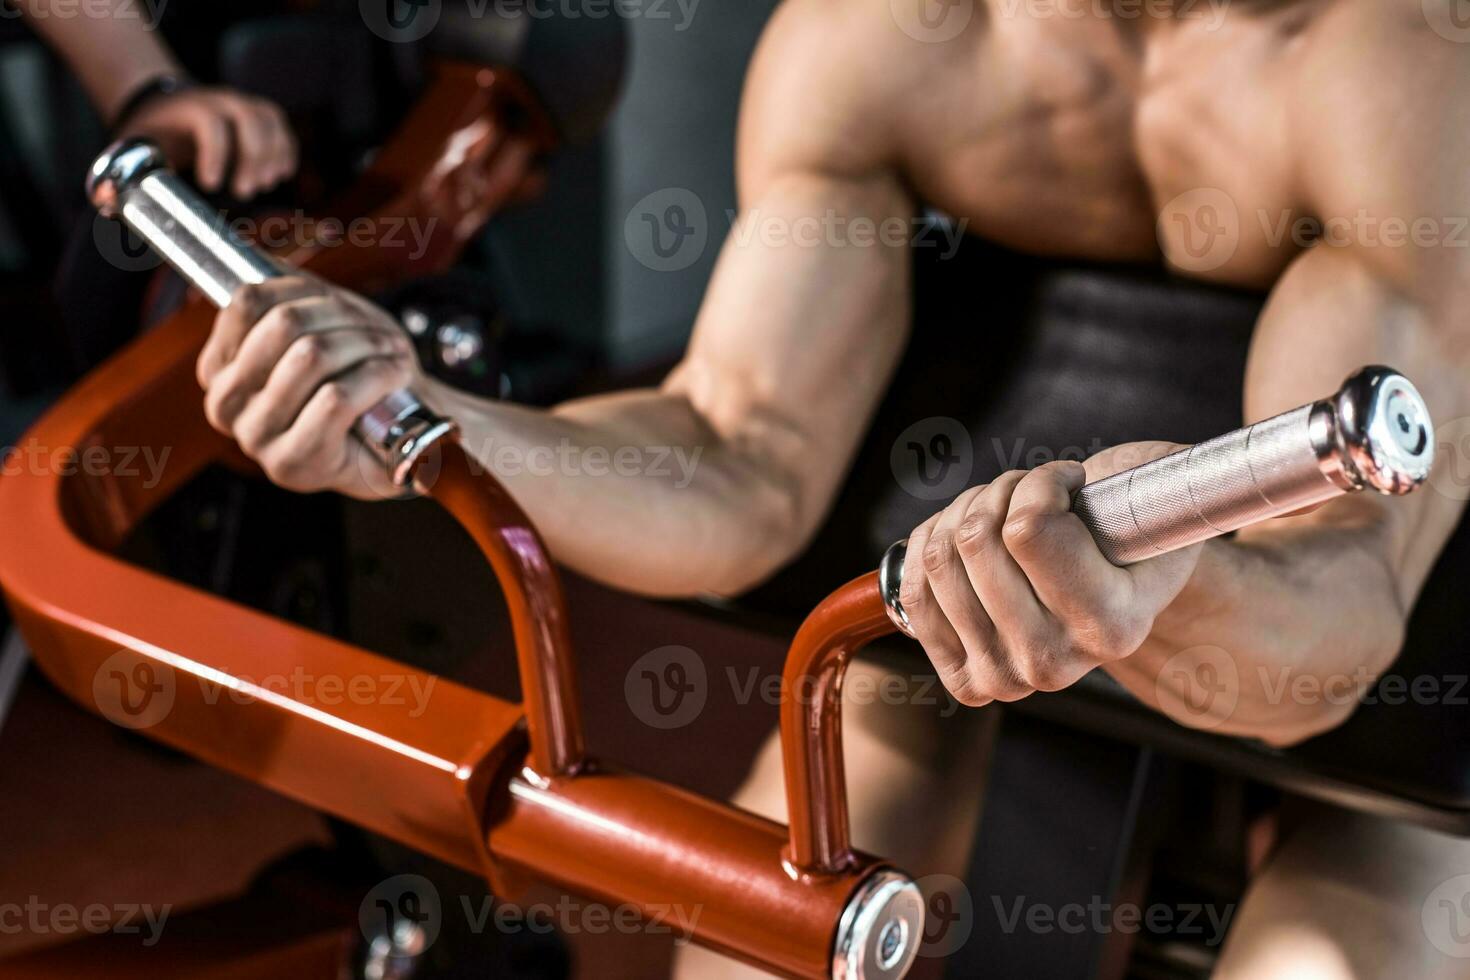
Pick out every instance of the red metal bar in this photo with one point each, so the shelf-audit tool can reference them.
(811, 722)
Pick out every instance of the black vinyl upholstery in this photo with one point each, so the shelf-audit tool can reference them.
(1066, 358)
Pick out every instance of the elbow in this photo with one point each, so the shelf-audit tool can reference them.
(1319, 703)
(771, 530)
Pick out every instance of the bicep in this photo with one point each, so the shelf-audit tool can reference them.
(801, 328)
(1333, 312)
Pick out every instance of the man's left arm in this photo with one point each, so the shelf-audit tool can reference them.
(1279, 631)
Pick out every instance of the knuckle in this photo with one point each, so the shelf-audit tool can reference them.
(973, 537)
(911, 594)
(961, 684)
(286, 324)
(938, 552)
(1117, 634)
(1023, 529)
(250, 434)
(335, 398)
(1040, 672)
(309, 352)
(1010, 683)
(249, 300)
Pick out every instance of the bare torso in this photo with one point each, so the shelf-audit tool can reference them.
(1097, 136)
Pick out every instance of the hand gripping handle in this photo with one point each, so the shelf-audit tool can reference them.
(1375, 432)
(131, 182)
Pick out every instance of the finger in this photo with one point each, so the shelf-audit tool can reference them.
(948, 581)
(319, 449)
(214, 140)
(993, 573)
(1067, 570)
(285, 148)
(294, 324)
(245, 309)
(931, 628)
(311, 361)
(254, 141)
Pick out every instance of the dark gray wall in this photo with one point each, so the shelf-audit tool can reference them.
(670, 152)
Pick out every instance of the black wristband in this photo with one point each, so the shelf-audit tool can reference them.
(166, 84)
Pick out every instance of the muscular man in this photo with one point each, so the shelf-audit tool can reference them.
(1061, 129)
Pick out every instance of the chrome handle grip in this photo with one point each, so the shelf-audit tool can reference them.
(131, 182)
(1375, 432)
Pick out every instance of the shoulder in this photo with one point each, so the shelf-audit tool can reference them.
(832, 82)
(1378, 98)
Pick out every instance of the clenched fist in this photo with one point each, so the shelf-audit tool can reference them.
(1010, 595)
(219, 129)
(290, 367)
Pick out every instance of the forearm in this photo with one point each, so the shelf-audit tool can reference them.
(112, 54)
(1280, 632)
(639, 490)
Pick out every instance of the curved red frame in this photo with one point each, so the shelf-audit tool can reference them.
(493, 787)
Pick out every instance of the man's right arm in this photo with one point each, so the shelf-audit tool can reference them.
(711, 482)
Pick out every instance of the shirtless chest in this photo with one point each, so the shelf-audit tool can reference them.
(1092, 136)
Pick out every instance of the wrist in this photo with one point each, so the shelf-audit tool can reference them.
(158, 85)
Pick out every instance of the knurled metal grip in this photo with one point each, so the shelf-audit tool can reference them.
(1375, 432)
(131, 182)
